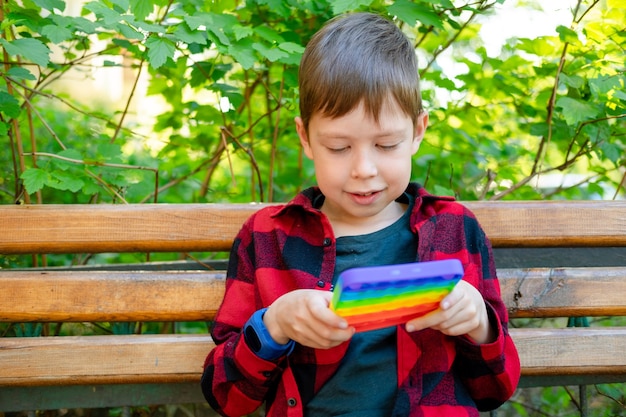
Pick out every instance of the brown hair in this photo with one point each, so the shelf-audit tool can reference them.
(358, 57)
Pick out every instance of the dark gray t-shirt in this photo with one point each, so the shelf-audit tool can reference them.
(365, 384)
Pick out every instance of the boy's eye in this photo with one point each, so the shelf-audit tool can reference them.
(338, 150)
(388, 147)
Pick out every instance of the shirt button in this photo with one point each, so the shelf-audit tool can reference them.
(267, 374)
(327, 241)
(320, 283)
(291, 402)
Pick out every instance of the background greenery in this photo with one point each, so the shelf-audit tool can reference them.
(210, 92)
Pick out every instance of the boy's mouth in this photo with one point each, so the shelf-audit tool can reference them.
(365, 197)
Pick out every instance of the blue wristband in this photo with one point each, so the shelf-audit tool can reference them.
(260, 341)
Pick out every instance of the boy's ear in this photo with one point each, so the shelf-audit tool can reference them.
(420, 129)
(304, 137)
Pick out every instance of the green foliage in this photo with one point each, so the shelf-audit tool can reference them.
(225, 75)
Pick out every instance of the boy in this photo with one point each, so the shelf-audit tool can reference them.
(277, 341)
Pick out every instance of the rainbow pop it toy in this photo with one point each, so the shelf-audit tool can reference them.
(374, 297)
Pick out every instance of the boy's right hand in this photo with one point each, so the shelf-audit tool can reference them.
(304, 316)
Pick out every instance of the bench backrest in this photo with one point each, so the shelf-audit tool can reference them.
(83, 295)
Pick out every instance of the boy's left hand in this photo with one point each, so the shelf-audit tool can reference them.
(461, 312)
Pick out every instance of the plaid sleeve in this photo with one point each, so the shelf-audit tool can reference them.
(490, 371)
(235, 381)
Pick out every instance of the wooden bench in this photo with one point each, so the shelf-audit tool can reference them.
(555, 259)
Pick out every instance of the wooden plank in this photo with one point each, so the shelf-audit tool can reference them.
(564, 292)
(211, 227)
(572, 351)
(75, 296)
(552, 223)
(179, 358)
(120, 228)
(79, 360)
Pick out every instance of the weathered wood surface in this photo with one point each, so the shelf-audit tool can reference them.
(75, 296)
(76, 360)
(70, 296)
(564, 292)
(211, 227)
(179, 358)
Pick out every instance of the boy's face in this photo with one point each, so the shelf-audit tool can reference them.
(362, 166)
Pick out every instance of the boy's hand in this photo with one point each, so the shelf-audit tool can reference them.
(304, 316)
(461, 312)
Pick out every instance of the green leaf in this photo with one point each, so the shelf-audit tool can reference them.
(129, 32)
(242, 53)
(66, 181)
(242, 31)
(277, 6)
(56, 34)
(411, 13)
(439, 190)
(159, 50)
(141, 8)
(110, 151)
(268, 33)
(91, 188)
(34, 179)
(122, 5)
(573, 81)
(605, 83)
(147, 27)
(291, 47)
(541, 46)
(70, 154)
(51, 4)
(576, 111)
(9, 105)
(567, 35)
(107, 14)
(31, 49)
(611, 151)
(342, 6)
(272, 54)
(185, 34)
(21, 73)
(216, 24)
(84, 25)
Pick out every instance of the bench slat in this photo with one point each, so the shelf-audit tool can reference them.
(211, 227)
(179, 358)
(520, 224)
(77, 296)
(564, 292)
(134, 296)
(570, 351)
(31, 361)
(120, 228)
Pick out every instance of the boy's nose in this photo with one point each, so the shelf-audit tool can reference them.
(364, 165)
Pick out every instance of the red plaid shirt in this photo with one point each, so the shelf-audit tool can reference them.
(286, 247)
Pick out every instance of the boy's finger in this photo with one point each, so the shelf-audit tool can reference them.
(429, 320)
(319, 310)
(454, 297)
